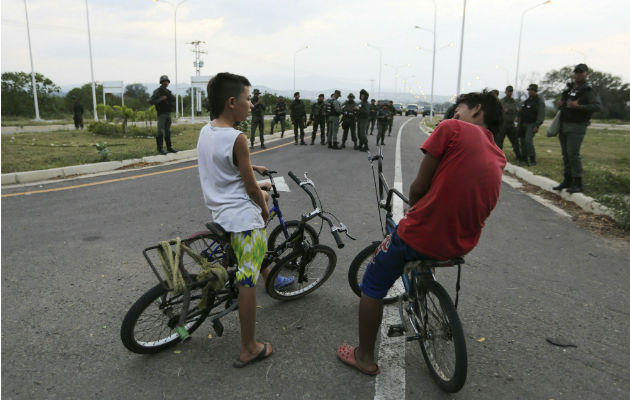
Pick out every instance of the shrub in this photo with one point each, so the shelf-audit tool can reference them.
(104, 128)
(102, 150)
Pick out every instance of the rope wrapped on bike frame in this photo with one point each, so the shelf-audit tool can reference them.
(170, 264)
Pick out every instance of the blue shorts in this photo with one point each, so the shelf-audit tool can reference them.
(387, 265)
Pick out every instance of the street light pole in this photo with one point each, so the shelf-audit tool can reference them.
(30, 52)
(87, 16)
(380, 65)
(461, 50)
(520, 35)
(396, 75)
(294, 55)
(175, 6)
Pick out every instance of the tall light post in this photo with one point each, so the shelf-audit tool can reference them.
(507, 73)
(295, 54)
(87, 16)
(396, 75)
(30, 52)
(520, 35)
(175, 6)
(461, 49)
(380, 65)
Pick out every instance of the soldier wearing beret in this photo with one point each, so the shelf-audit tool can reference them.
(258, 120)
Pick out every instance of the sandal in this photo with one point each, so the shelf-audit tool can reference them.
(345, 352)
(260, 356)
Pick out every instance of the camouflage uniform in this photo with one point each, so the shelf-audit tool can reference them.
(363, 121)
(280, 113)
(349, 121)
(390, 122)
(164, 103)
(531, 116)
(373, 110)
(258, 120)
(318, 117)
(333, 110)
(383, 116)
(298, 118)
(510, 111)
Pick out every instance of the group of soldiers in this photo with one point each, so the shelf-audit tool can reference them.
(327, 116)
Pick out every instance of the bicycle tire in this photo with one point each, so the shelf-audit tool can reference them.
(357, 270)
(442, 343)
(161, 310)
(314, 275)
(310, 234)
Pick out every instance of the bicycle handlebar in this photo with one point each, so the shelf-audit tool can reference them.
(303, 186)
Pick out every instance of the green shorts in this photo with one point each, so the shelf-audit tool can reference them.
(250, 248)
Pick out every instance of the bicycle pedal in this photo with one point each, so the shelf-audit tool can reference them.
(218, 327)
(395, 330)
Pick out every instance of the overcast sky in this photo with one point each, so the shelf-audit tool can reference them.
(132, 40)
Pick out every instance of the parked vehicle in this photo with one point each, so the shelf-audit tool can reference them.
(399, 108)
(412, 109)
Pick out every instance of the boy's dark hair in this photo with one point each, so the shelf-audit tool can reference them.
(490, 104)
(220, 88)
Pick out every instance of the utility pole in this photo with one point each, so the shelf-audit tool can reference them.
(198, 64)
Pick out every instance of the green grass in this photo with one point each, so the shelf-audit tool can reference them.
(21, 121)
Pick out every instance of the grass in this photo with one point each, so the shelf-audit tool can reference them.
(22, 121)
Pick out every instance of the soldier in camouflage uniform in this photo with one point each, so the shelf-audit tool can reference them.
(258, 120)
(383, 117)
(318, 118)
(373, 110)
(298, 117)
(363, 120)
(349, 120)
(578, 102)
(530, 117)
(510, 111)
(280, 113)
(164, 103)
(333, 111)
(390, 122)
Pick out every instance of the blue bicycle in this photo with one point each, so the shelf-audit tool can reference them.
(424, 305)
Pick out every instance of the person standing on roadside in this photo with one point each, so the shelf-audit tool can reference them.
(164, 103)
(77, 114)
(258, 120)
(363, 119)
(531, 116)
(510, 111)
(578, 102)
(333, 110)
(280, 113)
(349, 121)
(298, 117)
(373, 110)
(318, 118)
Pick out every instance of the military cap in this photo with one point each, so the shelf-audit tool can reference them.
(351, 96)
(509, 88)
(364, 92)
(296, 94)
(581, 68)
(533, 86)
(337, 92)
(321, 95)
(256, 91)
(164, 78)
(373, 100)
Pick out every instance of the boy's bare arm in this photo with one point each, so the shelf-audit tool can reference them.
(420, 186)
(241, 153)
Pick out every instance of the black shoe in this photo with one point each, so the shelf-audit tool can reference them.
(323, 143)
(576, 186)
(282, 135)
(329, 146)
(565, 184)
(172, 150)
(312, 143)
(251, 147)
(302, 143)
(343, 145)
(296, 143)
(262, 146)
(162, 152)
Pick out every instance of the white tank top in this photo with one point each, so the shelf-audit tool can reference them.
(221, 182)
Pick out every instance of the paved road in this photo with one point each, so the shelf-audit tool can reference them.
(72, 266)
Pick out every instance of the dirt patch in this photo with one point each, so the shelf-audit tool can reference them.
(602, 225)
(139, 165)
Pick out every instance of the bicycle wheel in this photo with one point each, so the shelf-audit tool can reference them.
(442, 337)
(358, 268)
(309, 270)
(149, 326)
(276, 237)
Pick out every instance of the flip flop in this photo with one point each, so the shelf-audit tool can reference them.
(345, 352)
(260, 356)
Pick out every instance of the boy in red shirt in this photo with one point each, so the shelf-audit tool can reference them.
(456, 188)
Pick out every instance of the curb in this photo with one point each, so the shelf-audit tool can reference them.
(584, 202)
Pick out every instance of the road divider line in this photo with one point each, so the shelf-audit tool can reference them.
(127, 178)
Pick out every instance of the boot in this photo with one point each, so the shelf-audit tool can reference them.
(329, 145)
(160, 149)
(566, 183)
(169, 147)
(355, 146)
(576, 186)
(303, 143)
(532, 161)
(343, 145)
(336, 146)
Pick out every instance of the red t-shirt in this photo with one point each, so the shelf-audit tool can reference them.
(446, 222)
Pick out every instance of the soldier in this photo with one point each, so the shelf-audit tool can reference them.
(298, 117)
(258, 120)
(363, 118)
(333, 110)
(164, 103)
(530, 117)
(280, 113)
(373, 110)
(349, 120)
(510, 111)
(579, 101)
(383, 116)
(318, 118)
(390, 121)
(77, 114)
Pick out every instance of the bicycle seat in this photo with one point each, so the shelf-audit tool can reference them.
(219, 231)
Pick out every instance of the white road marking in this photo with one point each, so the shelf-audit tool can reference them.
(390, 383)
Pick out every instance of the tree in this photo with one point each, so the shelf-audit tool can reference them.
(136, 96)
(17, 95)
(84, 95)
(613, 92)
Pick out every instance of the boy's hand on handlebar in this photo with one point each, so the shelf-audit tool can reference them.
(265, 186)
(259, 168)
